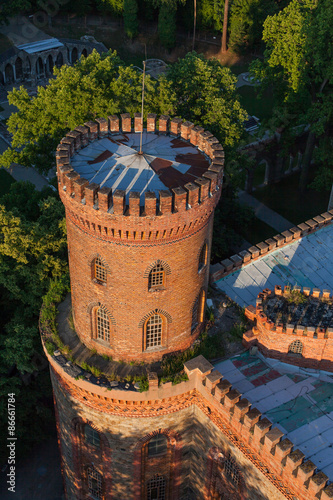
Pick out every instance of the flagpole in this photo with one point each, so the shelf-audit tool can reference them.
(143, 95)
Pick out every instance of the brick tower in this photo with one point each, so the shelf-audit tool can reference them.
(139, 231)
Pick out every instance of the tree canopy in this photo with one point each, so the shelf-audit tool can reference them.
(95, 86)
(298, 62)
(194, 88)
(33, 252)
(205, 94)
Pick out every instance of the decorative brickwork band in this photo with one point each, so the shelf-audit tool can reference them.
(156, 311)
(255, 438)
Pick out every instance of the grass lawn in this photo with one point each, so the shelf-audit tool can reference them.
(262, 108)
(285, 199)
(257, 231)
(5, 181)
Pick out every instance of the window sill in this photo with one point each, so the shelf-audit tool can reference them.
(159, 455)
(97, 282)
(154, 349)
(103, 343)
(156, 289)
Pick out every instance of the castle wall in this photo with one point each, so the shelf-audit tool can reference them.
(189, 464)
(274, 340)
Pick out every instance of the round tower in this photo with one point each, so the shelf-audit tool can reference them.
(139, 212)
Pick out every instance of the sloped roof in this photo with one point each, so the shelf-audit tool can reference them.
(298, 401)
(306, 262)
(40, 46)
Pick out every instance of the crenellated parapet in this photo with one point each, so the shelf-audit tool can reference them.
(256, 252)
(180, 207)
(272, 453)
(293, 325)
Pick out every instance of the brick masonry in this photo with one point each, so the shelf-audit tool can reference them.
(192, 423)
(205, 421)
(129, 240)
(274, 339)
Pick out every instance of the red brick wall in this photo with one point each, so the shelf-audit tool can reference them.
(130, 242)
(126, 295)
(191, 423)
(274, 340)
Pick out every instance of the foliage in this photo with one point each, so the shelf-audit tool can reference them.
(246, 23)
(32, 255)
(205, 93)
(237, 330)
(49, 347)
(210, 314)
(295, 297)
(95, 86)
(167, 25)
(5, 181)
(301, 71)
(144, 384)
(10, 8)
(131, 18)
(172, 366)
(229, 218)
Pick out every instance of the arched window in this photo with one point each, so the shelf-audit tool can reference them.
(94, 483)
(84, 53)
(9, 73)
(158, 445)
(154, 331)
(19, 68)
(203, 257)
(102, 324)
(198, 309)
(39, 67)
(156, 277)
(74, 55)
(92, 436)
(156, 488)
(28, 66)
(99, 270)
(296, 347)
(49, 64)
(59, 60)
(231, 471)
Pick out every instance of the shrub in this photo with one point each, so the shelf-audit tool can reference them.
(50, 347)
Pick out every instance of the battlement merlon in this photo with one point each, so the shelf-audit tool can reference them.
(253, 434)
(196, 165)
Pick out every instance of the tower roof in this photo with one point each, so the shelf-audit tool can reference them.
(166, 162)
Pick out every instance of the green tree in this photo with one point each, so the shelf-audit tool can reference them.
(167, 24)
(95, 86)
(32, 253)
(10, 8)
(298, 62)
(246, 23)
(110, 6)
(130, 15)
(205, 93)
